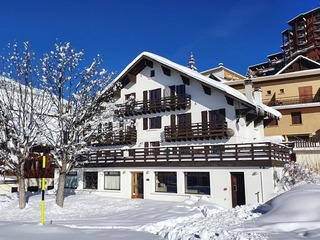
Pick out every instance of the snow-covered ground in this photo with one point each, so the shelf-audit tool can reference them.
(292, 215)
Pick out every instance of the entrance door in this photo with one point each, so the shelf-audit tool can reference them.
(137, 185)
(237, 188)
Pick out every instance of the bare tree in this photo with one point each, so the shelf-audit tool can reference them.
(23, 112)
(76, 95)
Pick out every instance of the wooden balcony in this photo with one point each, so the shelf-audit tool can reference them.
(232, 155)
(115, 138)
(171, 103)
(196, 131)
(292, 100)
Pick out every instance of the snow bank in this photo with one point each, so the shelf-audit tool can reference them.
(291, 215)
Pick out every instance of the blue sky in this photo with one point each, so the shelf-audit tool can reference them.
(235, 33)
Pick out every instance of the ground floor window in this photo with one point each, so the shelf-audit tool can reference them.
(197, 182)
(71, 180)
(166, 182)
(112, 180)
(90, 180)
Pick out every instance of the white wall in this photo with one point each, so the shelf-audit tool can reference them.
(259, 184)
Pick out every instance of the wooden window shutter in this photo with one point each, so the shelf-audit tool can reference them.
(204, 116)
(222, 116)
(173, 120)
(188, 118)
(145, 123)
(145, 96)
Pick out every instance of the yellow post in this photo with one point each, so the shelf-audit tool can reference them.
(43, 182)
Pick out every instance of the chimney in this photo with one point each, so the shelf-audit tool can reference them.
(248, 88)
(258, 95)
(248, 85)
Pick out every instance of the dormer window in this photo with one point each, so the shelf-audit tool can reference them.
(152, 73)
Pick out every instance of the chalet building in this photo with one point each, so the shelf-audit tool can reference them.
(301, 38)
(183, 134)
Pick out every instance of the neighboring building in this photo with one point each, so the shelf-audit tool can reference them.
(33, 174)
(302, 38)
(183, 134)
(221, 73)
(296, 94)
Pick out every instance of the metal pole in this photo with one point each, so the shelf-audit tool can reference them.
(43, 182)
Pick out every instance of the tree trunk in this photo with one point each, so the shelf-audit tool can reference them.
(60, 190)
(62, 181)
(22, 188)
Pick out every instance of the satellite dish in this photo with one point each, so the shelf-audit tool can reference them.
(230, 132)
(242, 122)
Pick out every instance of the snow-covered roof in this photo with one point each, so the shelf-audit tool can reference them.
(223, 68)
(294, 60)
(225, 89)
(302, 14)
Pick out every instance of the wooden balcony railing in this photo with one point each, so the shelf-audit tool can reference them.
(154, 105)
(292, 100)
(263, 153)
(196, 131)
(114, 138)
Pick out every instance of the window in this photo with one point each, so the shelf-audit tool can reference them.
(90, 180)
(269, 92)
(166, 182)
(197, 182)
(296, 118)
(206, 90)
(274, 122)
(181, 89)
(155, 122)
(152, 73)
(185, 80)
(166, 71)
(71, 180)
(281, 90)
(184, 120)
(112, 180)
(217, 117)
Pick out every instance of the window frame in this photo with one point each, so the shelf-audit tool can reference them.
(114, 174)
(155, 123)
(93, 177)
(296, 118)
(196, 176)
(167, 177)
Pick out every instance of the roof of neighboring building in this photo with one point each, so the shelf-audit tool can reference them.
(222, 67)
(303, 14)
(308, 61)
(221, 87)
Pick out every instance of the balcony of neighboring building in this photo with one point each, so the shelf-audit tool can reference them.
(304, 141)
(279, 101)
(195, 131)
(163, 104)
